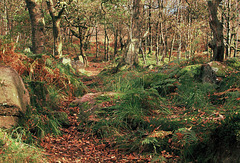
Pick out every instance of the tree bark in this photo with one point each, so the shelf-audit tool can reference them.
(216, 44)
(131, 55)
(179, 16)
(38, 25)
(56, 19)
(106, 40)
(5, 19)
(228, 26)
(115, 42)
(96, 37)
(80, 35)
(150, 47)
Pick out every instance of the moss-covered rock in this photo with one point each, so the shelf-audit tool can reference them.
(191, 71)
(219, 68)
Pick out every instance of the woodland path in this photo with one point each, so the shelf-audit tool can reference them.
(81, 146)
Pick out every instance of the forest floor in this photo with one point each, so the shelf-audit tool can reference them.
(150, 113)
(79, 146)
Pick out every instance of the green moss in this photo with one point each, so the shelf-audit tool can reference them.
(191, 70)
(220, 69)
(189, 73)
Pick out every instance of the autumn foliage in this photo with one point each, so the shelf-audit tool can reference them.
(161, 114)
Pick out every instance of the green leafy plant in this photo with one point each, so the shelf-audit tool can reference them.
(127, 119)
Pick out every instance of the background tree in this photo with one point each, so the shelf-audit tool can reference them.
(132, 51)
(56, 21)
(37, 24)
(230, 19)
(216, 44)
(171, 27)
(81, 21)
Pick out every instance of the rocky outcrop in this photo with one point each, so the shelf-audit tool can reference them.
(14, 97)
(208, 75)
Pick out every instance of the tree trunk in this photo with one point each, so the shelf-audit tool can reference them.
(96, 37)
(115, 42)
(131, 55)
(228, 26)
(122, 44)
(237, 33)
(56, 19)
(157, 44)
(38, 25)
(171, 49)
(150, 28)
(81, 36)
(216, 44)
(82, 52)
(106, 40)
(5, 19)
(179, 31)
(164, 42)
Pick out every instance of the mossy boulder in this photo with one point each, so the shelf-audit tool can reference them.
(191, 71)
(220, 69)
(198, 72)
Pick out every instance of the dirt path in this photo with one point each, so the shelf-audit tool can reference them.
(81, 146)
(77, 145)
(94, 69)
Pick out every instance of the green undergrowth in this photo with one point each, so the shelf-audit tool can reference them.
(222, 144)
(49, 83)
(167, 111)
(12, 149)
(163, 111)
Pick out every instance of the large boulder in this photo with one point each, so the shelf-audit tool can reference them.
(206, 73)
(220, 69)
(14, 97)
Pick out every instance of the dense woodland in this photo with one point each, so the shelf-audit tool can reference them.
(124, 81)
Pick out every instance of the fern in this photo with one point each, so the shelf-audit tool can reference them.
(151, 141)
(185, 136)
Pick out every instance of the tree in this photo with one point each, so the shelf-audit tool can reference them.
(81, 22)
(37, 24)
(131, 55)
(56, 19)
(216, 44)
